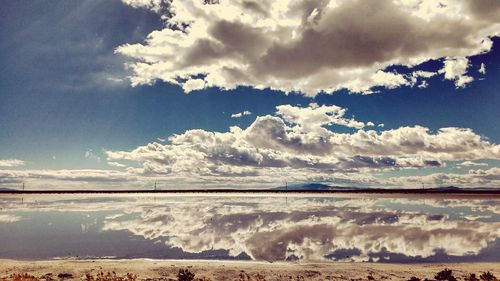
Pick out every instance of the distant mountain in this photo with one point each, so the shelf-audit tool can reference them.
(313, 186)
(325, 187)
(451, 187)
(456, 188)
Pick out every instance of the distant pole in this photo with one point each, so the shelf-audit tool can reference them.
(23, 185)
(286, 195)
(155, 185)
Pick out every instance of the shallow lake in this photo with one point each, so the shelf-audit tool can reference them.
(250, 227)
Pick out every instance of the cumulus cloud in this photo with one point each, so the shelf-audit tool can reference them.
(193, 84)
(301, 143)
(11, 162)
(314, 117)
(241, 114)
(455, 69)
(154, 5)
(310, 143)
(309, 47)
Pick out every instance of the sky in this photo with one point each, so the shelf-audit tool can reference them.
(243, 94)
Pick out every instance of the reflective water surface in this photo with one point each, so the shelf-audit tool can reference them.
(272, 228)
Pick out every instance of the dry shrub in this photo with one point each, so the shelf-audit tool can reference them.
(445, 275)
(488, 276)
(471, 277)
(246, 277)
(110, 276)
(23, 277)
(185, 275)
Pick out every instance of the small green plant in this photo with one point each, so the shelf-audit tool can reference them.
(185, 275)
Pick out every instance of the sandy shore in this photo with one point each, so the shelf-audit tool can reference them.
(229, 270)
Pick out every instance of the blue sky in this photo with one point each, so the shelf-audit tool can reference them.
(71, 92)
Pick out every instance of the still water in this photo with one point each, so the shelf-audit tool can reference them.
(250, 227)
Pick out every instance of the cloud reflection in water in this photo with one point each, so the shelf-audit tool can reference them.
(261, 228)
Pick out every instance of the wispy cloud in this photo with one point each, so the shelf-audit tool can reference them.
(89, 154)
(241, 114)
(11, 163)
(116, 164)
(472, 164)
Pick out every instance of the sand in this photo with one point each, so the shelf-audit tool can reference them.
(237, 270)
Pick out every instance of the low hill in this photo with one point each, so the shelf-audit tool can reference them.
(312, 187)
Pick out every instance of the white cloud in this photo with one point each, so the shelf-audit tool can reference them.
(89, 154)
(11, 163)
(455, 69)
(474, 178)
(68, 179)
(298, 144)
(482, 69)
(390, 80)
(154, 5)
(424, 84)
(307, 46)
(240, 114)
(314, 117)
(114, 79)
(193, 85)
(425, 74)
(471, 164)
(116, 164)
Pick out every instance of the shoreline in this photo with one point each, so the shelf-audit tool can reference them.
(259, 191)
(416, 194)
(238, 270)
